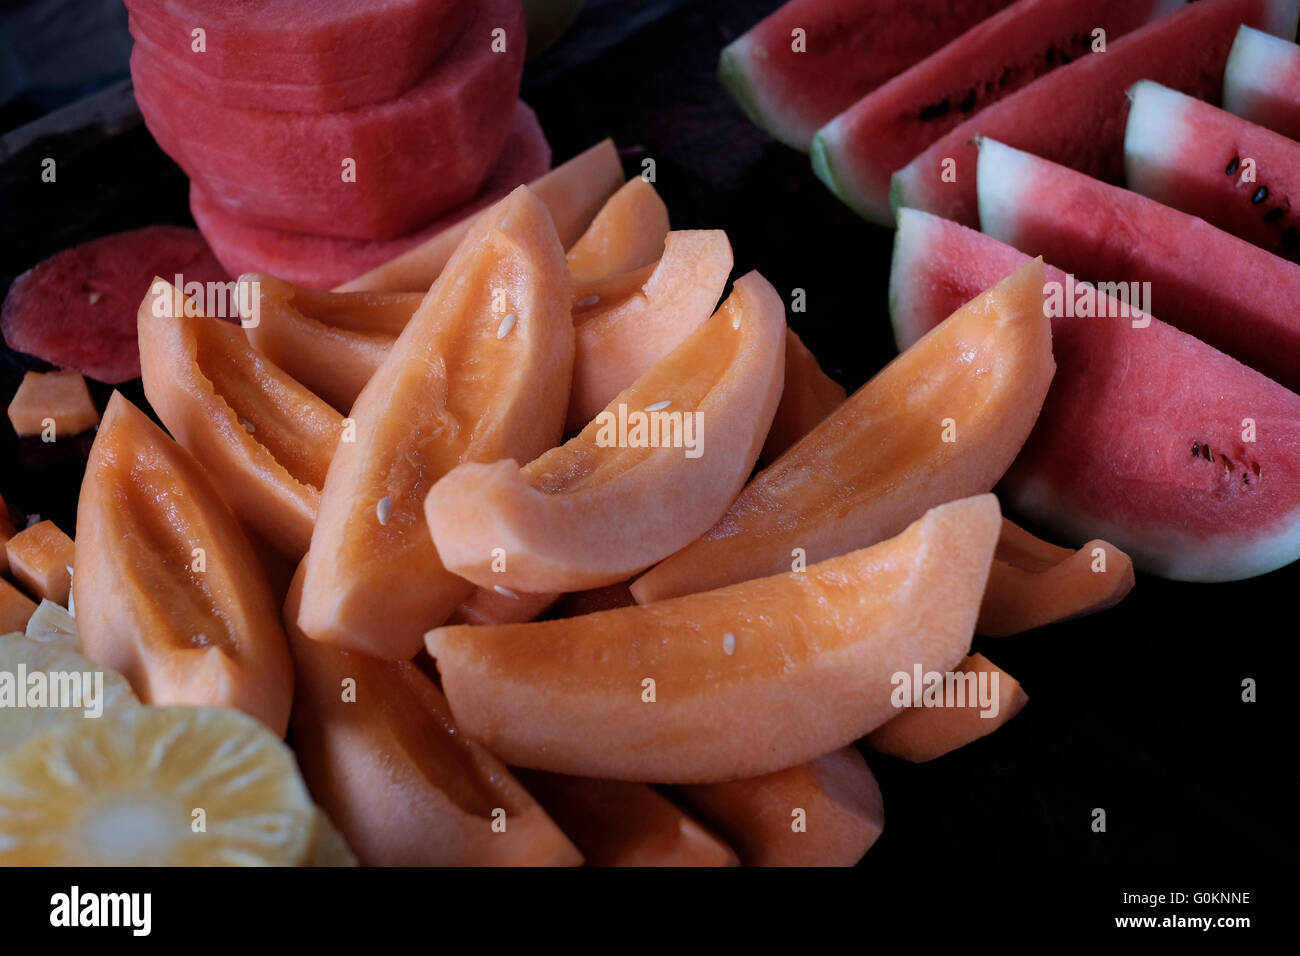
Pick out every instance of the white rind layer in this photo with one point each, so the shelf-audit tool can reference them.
(1155, 136)
(1002, 175)
(1255, 56)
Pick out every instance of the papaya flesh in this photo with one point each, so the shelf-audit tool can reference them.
(943, 420)
(919, 734)
(500, 605)
(732, 683)
(16, 608)
(587, 514)
(480, 373)
(1034, 583)
(58, 397)
(264, 438)
(627, 233)
(39, 558)
(168, 590)
(808, 397)
(384, 758)
(827, 812)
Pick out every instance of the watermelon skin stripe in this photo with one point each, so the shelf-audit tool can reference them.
(1262, 83)
(1111, 454)
(1076, 115)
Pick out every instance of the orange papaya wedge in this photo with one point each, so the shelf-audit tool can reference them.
(731, 683)
(1034, 583)
(627, 233)
(39, 558)
(616, 823)
(826, 812)
(918, 734)
(380, 752)
(808, 397)
(168, 590)
(619, 339)
(263, 437)
(480, 373)
(605, 504)
(573, 193)
(942, 421)
(500, 605)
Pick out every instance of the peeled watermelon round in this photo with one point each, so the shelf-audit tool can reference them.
(416, 157)
(307, 56)
(322, 262)
(77, 309)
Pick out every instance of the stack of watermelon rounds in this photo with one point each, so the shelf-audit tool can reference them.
(323, 138)
(1088, 132)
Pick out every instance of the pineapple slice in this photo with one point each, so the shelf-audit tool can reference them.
(160, 786)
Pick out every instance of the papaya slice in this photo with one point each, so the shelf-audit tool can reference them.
(1034, 583)
(827, 812)
(330, 342)
(58, 397)
(264, 438)
(573, 193)
(799, 663)
(168, 590)
(500, 605)
(16, 608)
(627, 233)
(616, 823)
(39, 558)
(618, 340)
(919, 734)
(808, 397)
(380, 752)
(943, 420)
(480, 373)
(588, 514)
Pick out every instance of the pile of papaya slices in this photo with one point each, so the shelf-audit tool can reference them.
(483, 533)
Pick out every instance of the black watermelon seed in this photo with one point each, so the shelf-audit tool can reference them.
(1051, 56)
(1196, 449)
(1260, 195)
(935, 110)
(1274, 214)
(968, 103)
(1233, 166)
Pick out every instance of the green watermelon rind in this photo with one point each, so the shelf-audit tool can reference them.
(737, 77)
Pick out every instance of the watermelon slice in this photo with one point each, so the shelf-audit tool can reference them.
(1203, 160)
(1106, 234)
(322, 262)
(849, 48)
(415, 157)
(1262, 83)
(312, 57)
(1075, 115)
(77, 309)
(1142, 439)
(856, 153)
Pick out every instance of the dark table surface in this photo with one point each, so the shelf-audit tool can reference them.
(1137, 711)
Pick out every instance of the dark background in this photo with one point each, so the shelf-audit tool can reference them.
(1137, 711)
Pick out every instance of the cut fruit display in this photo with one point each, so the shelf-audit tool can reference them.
(794, 70)
(129, 789)
(923, 733)
(39, 558)
(827, 812)
(173, 597)
(857, 152)
(807, 397)
(264, 439)
(891, 451)
(1200, 159)
(1075, 114)
(573, 194)
(374, 172)
(799, 663)
(1149, 438)
(1262, 82)
(1102, 233)
(627, 233)
(480, 373)
(563, 521)
(320, 262)
(57, 403)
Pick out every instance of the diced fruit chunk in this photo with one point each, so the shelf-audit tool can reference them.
(16, 608)
(39, 558)
(627, 233)
(58, 398)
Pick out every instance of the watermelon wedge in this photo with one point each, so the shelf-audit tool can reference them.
(1075, 115)
(1243, 178)
(1143, 438)
(856, 153)
(1262, 82)
(849, 47)
(1106, 234)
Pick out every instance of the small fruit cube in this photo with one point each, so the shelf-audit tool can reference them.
(39, 558)
(58, 397)
(15, 608)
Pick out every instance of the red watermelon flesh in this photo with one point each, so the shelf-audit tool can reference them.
(851, 47)
(1103, 233)
(1243, 178)
(322, 262)
(1262, 83)
(1075, 115)
(1141, 439)
(856, 153)
(416, 157)
(301, 55)
(77, 309)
